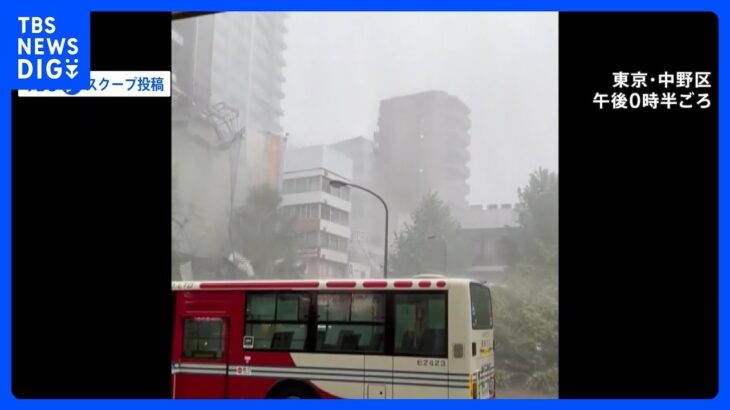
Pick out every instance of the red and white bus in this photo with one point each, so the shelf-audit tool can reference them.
(396, 338)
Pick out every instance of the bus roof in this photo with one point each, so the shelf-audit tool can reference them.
(324, 284)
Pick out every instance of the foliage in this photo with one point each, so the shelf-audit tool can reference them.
(503, 378)
(526, 307)
(538, 239)
(262, 233)
(526, 318)
(431, 242)
(545, 381)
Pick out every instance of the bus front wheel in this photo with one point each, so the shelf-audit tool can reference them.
(293, 391)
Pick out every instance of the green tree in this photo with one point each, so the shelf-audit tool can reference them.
(262, 233)
(538, 237)
(430, 243)
(526, 326)
(526, 308)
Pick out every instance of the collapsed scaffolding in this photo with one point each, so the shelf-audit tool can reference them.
(228, 138)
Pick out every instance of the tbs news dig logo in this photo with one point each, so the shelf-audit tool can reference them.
(43, 54)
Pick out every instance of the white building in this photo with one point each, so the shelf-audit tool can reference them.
(322, 211)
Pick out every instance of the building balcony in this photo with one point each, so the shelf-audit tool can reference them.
(278, 111)
(459, 118)
(316, 197)
(457, 154)
(276, 52)
(281, 20)
(457, 171)
(457, 137)
(271, 46)
(306, 225)
(277, 92)
(309, 253)
(333, 255)
(334, 229)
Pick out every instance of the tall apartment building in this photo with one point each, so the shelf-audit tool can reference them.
(322, 212)
(232, 58)
(422, 145)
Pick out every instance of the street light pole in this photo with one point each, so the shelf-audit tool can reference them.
(338, 184)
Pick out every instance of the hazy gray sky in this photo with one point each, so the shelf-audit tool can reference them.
(504, 66)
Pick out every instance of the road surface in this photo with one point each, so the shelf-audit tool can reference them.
(522, 393)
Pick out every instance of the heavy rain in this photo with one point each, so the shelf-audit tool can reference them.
(294, 135)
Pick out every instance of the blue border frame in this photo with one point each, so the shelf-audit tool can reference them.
(14, 8)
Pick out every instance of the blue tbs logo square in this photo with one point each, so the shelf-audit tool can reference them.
(48, 57)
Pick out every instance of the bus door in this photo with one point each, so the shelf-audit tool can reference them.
(378, 377)
(420, 359)
(204, 332)
(202, 368)
(482, 342)
(371, 308)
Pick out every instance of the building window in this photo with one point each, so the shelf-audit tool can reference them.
(350, 322)
(277, 321)
(203, 339)
(288, 186)
(310, 239)
(300, 185)
(334, 242)
(335, 215)
(420, 324)
(314, 183)
(340, 192)
(313, 211)
(305, 211)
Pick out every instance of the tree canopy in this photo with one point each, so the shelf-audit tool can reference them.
(430, 242)
(526, 307)
(265, 235)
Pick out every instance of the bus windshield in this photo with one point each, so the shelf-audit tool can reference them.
(481, 307)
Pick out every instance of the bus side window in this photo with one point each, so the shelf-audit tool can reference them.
(349, 323)
(420, 324)
(277, 321)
